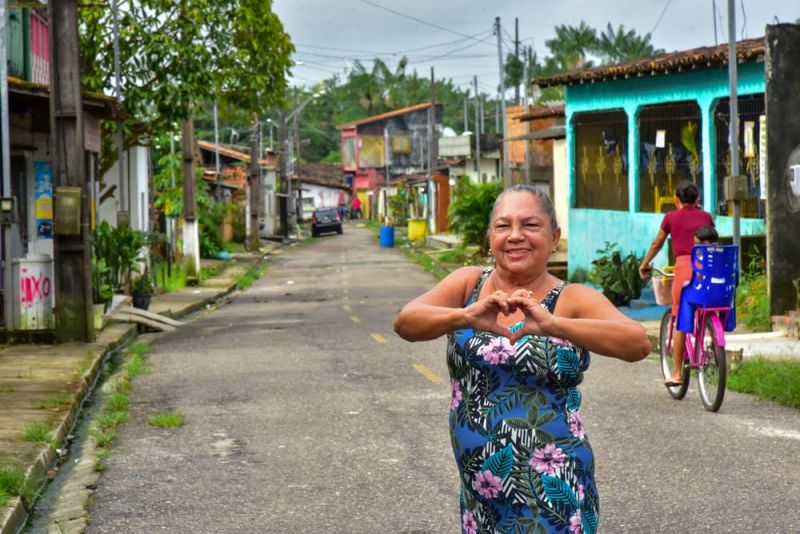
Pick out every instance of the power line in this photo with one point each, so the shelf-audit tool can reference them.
(660, 17)
(416, 19)
(395, 52)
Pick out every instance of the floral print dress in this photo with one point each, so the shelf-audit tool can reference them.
(523, 457)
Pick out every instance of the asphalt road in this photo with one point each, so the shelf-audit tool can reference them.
(306, 413)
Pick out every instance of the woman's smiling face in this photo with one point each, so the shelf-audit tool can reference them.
(521, 233)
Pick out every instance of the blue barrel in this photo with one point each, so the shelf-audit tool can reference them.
(387, 236)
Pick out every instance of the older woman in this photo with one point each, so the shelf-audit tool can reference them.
(519, 342)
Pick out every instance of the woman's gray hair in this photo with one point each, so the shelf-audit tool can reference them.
(544, 200)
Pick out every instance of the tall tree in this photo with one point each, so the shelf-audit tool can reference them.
(235, 50)
(619, 46)
(572, 45)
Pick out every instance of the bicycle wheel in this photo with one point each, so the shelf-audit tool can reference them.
(665, 355)
(712, 375)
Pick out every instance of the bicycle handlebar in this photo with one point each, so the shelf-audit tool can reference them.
(662, 273)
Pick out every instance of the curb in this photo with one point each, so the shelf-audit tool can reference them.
(17, 515)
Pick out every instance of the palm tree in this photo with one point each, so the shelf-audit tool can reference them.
(619, 46)
(572, 44)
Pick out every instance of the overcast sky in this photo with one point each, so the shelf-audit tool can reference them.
(331, 34)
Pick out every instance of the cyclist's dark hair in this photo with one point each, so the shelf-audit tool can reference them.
(687, 193)
(544, 200)
(707, 234)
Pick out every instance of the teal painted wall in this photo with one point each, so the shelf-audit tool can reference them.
(589, 229)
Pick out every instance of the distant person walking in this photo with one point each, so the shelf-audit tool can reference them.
(355, 209)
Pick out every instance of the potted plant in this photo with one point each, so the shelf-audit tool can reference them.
(101, 289)
(142, 290)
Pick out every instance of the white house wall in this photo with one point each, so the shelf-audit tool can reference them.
(321, 197)
(137, 166)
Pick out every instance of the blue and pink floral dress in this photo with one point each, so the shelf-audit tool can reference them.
(517, 434)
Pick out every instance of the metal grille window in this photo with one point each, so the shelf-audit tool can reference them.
(601, 160)
(751, 109)
(670, 152)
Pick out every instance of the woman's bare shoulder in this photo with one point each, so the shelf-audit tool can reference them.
(576, 299)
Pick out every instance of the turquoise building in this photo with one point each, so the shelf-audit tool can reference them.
(635, 130)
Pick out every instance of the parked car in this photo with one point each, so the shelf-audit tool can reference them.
(325, 220)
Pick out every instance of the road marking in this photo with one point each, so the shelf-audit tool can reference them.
(427, 373)
(346, 307)
(362, 301)
(355, 319)
(377, 337)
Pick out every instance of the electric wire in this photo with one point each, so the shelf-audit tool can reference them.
(660, 17)
(416, 19)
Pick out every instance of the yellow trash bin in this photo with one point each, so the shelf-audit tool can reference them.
(417, 229)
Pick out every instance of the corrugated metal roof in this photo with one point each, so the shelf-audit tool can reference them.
(387, 115)
(703, 57)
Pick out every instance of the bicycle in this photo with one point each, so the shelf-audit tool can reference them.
(707, 303)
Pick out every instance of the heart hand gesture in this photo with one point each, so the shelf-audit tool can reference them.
(537, 322)
(482, 314)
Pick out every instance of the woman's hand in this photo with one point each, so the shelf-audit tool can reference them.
(538, 321)
(482, 314)
(644, 271)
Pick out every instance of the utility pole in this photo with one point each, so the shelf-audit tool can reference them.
(256, 190)
(5, 146)
(478, 128)
(216, 153)
(527, 123)
(431, 155)
(466, 113)
(123, 188)
(191, 238)
(286, 186)
(73, 272)
(432, 127)
(516, 55)
(733, 133)
(506, 162)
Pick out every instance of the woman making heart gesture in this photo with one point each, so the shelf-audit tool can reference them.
(519, 342)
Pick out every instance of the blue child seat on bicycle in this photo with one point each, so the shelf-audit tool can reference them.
(715, 275)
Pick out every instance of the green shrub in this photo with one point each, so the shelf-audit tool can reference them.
(13, 483)
(470, 211)
(121, 250)
(616, 275)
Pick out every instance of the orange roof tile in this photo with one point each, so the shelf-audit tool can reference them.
(706, 56)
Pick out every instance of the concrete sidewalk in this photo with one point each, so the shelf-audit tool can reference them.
(46, 384)
(752, 344)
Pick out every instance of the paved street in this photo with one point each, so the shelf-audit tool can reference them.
(305, 413)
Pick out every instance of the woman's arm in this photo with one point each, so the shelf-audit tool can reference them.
(589, 320)
(441, 310)
(655, 246)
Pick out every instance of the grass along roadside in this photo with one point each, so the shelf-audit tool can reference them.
(13, 484)
(769, 379)
(166, 420)
(115, 409)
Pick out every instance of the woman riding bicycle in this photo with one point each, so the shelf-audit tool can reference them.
(681, 224)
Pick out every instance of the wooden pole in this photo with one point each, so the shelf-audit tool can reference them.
(73, 273)
(256, 191)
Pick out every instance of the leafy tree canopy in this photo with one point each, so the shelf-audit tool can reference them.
(174, 54)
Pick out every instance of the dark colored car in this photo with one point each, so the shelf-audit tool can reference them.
(325, 220)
